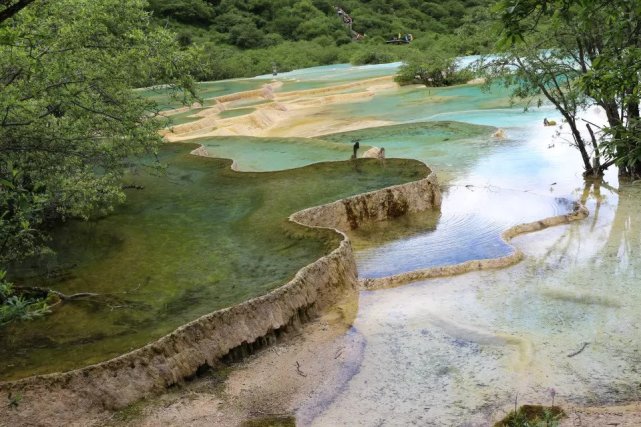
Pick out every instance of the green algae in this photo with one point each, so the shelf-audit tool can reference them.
(533, 416)
(271, 421)
(199, 238)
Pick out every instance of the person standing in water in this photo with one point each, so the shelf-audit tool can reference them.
(357, 145)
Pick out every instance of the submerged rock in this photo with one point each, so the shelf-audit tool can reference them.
(374, 153)
(499, 134)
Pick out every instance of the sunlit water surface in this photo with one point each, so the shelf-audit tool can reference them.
(458, 351)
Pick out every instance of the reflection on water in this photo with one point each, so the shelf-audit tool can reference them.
(489, 186)
(463, 232)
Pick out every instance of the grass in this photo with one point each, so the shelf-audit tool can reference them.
(272, 421)
(533, 416)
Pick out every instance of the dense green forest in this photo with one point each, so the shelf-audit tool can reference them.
(236, 38)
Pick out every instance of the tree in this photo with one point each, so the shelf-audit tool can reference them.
(578, 54)
(69, 120)
(437, 68)
(196, 12)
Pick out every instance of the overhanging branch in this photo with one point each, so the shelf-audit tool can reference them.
(12, 8)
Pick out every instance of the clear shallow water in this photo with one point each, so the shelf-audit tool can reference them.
(333, 74)
(457, 351)
(195, 240)
(419, 103)
(270, 154)
(167, 100)
(418, 140)
(489, 186)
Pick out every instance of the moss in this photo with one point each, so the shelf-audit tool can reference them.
(287, 421)
(533, 416)
(128, 414)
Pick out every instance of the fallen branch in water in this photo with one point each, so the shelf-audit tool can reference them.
(44, 291)
(133, 187)
(585, 344)
(301, 373)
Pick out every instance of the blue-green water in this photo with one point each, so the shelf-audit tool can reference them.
(196, 239)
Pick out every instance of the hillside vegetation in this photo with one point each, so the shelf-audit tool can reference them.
(238, 38)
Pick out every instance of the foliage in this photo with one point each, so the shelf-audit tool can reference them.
(69, 121)
(14, 306)
(188, 11)
(437, 69)
(307, 19)
(240, 27)
(579, 54)
(533, 416)
(224, 61)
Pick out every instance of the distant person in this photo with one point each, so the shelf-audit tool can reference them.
(357, 145)
(546, 122)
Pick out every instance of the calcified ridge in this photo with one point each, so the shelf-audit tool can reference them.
(279, 108)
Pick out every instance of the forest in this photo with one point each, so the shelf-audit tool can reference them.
(249, 37)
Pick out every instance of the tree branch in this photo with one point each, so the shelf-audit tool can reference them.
(12, 9)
